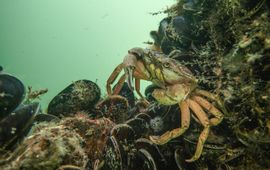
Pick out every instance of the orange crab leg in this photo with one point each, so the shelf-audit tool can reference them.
(112, 77)
(137, 87)
(140, 71)
(201, 115)
(212, 97)
(119, 84)
(206, 94)
(212, 109)
(185, 121)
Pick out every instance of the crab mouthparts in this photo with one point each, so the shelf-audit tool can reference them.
(129, 72)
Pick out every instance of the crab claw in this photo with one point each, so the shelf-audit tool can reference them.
(129, 75)
(129, 62)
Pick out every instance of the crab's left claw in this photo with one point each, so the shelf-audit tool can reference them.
(129, 62)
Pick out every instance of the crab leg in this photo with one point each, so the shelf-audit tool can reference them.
(212, 97)
(119, 84)
(129, 63)
(112, 77)
(212, 109)
(201, 115)
(137, 87)
(206, 94)
(185, 121)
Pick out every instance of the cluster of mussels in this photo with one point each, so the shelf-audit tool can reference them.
(80, 130)
(225, 43)
(16, 117)
(64, 138)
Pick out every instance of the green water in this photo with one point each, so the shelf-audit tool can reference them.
(50, 43)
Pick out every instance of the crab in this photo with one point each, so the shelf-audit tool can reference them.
(177, 85)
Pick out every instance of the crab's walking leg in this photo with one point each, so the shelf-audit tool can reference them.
(119, 84)
(212, 109)
(185, 121)
(112, 77)
(212, 97)
(137, 88)
(207, 94)
(201, 115)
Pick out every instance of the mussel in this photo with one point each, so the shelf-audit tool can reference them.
(127, 93)
(115, 156)
(148, 156)
(17, 124)
(12, 92)
(114, 107)
(139, 125)
(16, 119)
(81, 95)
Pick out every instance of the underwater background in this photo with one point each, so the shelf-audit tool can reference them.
(49, 43)
(208, 106)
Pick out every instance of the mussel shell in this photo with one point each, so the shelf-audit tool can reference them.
(115, 156)
(150, 154)
(43, 117)
(144, 116)
(140, 126)
(81, 95)
(159, 35)
(11, 94)
(17, 124)
(180, 24)
(163, 27)
(114, 107)
(166, 117)
(127, 93)
(166, 46)
(123, 132)
(179, 160)
(145, 161)
(180, 163)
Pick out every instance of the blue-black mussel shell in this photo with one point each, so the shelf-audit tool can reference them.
(81, 95)
(12, 92)
(17, 125)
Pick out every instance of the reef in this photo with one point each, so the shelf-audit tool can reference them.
(224, 43)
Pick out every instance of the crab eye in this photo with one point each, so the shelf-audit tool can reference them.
(166, 65)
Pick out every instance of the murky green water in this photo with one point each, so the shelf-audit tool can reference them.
(50, 43)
